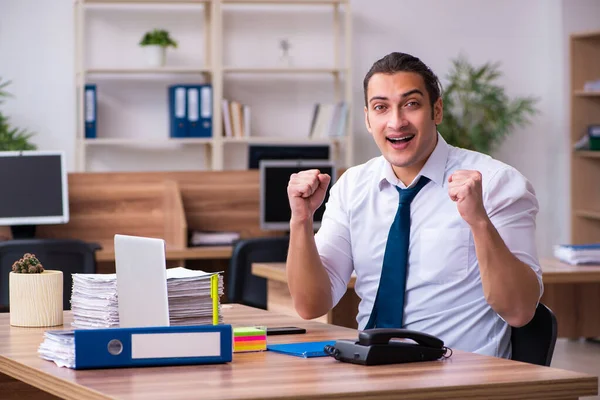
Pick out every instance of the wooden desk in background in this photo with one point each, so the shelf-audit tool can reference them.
(190, 253)
(571, 292)
(267, 375)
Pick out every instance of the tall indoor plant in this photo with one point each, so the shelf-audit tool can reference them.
(12, 138)
(478, 115)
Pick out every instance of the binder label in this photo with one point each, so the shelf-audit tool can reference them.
(193, 104)
(176, 345)
(206, 103)
(180, 102)
(89, 105)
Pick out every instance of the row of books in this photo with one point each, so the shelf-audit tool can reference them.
(190, 114)
(190, 111)
(578, 254)
(236, 119)
(329, 120)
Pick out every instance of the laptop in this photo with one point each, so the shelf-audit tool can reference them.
(141, 281)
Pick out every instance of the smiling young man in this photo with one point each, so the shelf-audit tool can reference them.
(468, 266)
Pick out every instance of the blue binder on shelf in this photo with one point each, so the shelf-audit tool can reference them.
(90, 111)
(152, 346)
(199, 110)
(302, 349)
(178, 124)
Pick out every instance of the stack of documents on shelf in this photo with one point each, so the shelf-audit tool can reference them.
(578, 254)
(94, 300)
(329, 120)
(236, 119)
(213, 238)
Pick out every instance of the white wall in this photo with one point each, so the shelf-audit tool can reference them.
(36, 53)
(528, 37)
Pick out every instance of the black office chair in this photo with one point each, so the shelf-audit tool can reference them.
(534, 342)
(243, 287)
(66, 255)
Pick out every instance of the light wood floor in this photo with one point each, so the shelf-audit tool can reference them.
(578, 355)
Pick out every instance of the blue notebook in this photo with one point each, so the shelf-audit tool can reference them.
(302, 349)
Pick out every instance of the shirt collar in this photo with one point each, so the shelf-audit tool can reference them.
(434, 168)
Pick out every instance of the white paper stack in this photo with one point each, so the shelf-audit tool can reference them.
(213, 238)
(59, 346)
(578, 254)
(94, 300)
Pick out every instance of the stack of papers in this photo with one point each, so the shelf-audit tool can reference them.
(95, 303)
(213, 238)
(59, 346)
(578, 254)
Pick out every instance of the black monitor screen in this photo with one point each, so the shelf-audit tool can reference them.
(303, 152)
(275, 207)
(32, 187)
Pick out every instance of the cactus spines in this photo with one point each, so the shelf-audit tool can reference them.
(29, 264)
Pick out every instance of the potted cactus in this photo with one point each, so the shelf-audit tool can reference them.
(36, 295)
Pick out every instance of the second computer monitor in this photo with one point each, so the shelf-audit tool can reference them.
(35, 190)
(275, 175)
(257, 153)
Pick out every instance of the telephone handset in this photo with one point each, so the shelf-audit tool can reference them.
(384, 335)
(377, 346)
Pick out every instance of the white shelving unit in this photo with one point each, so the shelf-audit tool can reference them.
(213, 71)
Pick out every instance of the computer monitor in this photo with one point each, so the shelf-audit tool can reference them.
(275, 175)
(257, 153)
(34, 190)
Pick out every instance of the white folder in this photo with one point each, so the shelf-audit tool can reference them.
(141, 281)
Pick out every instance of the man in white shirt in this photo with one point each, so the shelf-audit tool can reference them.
(472, 268)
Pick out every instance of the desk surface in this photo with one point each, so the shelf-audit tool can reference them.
(267, 375)
(190, 253)
(553, 272)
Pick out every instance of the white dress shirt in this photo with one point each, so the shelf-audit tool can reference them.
(444, 294)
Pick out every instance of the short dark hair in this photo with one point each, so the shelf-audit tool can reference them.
(402, 62)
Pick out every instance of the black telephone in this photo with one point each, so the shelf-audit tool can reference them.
(376, 346)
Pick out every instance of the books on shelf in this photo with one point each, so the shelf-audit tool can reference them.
(329, 120)
(94, 300)
(236, 119)
(578, 254)
(190, 111)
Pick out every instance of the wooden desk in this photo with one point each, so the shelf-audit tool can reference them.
(190, 253)
(267, 375)
(571, 292)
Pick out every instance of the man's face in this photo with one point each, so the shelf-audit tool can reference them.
(398, 115)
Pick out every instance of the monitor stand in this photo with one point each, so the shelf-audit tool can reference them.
(23, 231)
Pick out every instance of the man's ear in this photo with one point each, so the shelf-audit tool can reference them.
(438, 111)
(367, 122)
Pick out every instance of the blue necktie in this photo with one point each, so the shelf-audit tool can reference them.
(388, 309)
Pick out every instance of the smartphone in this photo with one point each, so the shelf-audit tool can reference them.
(285, 330)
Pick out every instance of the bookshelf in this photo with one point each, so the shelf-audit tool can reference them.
(585, 165)
(232, 76)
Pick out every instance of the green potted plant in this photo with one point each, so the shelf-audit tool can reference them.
(478, 115)
(36, 295)
(155, 44)
(11, 138)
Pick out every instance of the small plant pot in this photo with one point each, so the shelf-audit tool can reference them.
(36, 300)
(156, 56)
